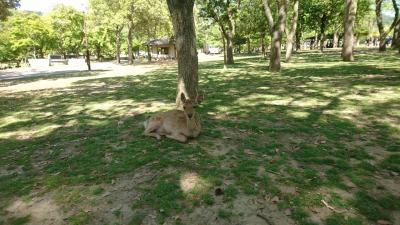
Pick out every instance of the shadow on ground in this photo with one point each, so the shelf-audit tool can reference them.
(317, 144)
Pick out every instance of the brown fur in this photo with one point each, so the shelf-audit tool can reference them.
(175, 124)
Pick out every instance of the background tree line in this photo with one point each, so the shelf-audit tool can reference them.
(113, 27)
(242, 26)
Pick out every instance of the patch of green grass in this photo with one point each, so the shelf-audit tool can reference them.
(230, 193)
(164, 196)
(340, 219)
(98, 191)
(80, 218)
(224, 214)
(369, 207)
(137, 219)
(391, 163)
(207, 199)
(19, 220)
(300, 126)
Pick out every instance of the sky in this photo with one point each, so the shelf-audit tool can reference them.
(47, 5)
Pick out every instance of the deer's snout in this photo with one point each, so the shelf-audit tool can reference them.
(190, 115)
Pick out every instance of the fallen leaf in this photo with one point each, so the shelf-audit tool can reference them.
(249, 152)
(383, 222)
(275, 199)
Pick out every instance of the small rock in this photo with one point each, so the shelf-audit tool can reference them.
(383, 222)
(394, 173)
(275, 199)
(249, 152)
(288, 212)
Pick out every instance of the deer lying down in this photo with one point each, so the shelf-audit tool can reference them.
(176, 124)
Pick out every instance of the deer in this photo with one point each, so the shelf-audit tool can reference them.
(176, 124)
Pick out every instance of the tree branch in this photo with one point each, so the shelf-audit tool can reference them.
(268, 13)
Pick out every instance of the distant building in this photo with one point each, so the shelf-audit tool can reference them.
(163, 48)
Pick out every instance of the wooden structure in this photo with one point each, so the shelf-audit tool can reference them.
(163, 48)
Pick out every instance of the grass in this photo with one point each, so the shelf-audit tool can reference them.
(327, 129)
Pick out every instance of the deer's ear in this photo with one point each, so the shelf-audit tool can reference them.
(199, 99)
(183, 98)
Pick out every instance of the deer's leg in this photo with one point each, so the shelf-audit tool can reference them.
(178, 137)
(151, 130)
(153, 134)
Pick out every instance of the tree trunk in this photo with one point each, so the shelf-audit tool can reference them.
(335, 39)
(298, 39)
(118, 45)
(229, 50)
(276, 31)
(396, 37)
(275, 56)
(292, 31)
(224, 47)
(379, 21)
(322, 30)
(183, 22)
(130, 46)
(350, 11)
(98, 53)
(263, 43)
(148, 53)
(248, 45)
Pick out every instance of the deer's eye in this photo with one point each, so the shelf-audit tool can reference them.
(184, 107)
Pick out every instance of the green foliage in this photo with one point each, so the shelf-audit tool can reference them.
(5, 6)
(24, 34)
(68, 32)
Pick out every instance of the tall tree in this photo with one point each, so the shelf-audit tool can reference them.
(130, 18)
(251, 23)
(67, 23)
(183, 22)
(291, 33)
(396, 37)
(224, 13)
(29, 35)
(396, 30)
(350, 11)
(5, 6)
(379, 21)
(112, 14)
(276, 27)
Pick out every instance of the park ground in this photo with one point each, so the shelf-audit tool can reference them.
(318, 143)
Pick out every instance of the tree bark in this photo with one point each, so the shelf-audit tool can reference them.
(263, 43)
(224, 47)
(248, 45)
(292, 31)
(118, 44)
(298, 38)
(148, 53)
(396, 37)
(231, 33)
(183, 22)
(131, 57)
(276, 31)
(98, 52)
(379, 21)
(396, 32)
(350, 10)
(229, 50)
(322, 30)
(335, 39)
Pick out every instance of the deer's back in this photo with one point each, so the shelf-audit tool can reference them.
(173, 121)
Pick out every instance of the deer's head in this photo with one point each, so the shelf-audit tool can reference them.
(189, 106)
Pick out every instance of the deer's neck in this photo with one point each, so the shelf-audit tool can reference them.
(193, 124)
